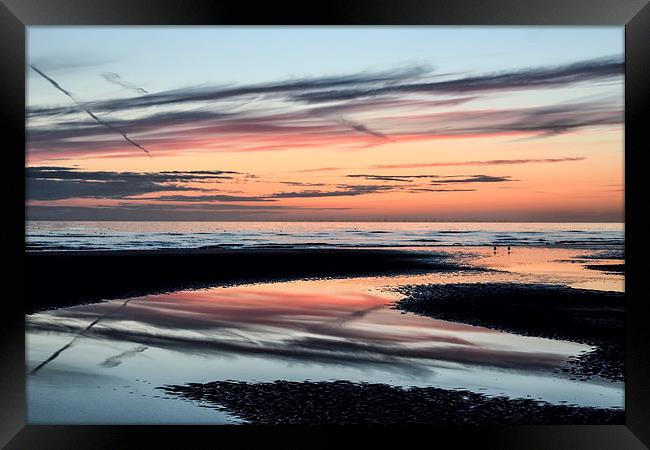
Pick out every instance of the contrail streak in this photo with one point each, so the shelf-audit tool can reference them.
(71, 343)
(90, 113)
(114, 78)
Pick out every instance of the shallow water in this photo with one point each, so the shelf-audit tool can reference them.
(55, 236)
(302, 330)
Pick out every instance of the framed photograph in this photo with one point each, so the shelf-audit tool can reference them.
(261, 224)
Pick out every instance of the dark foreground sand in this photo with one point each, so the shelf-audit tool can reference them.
(344, 402)
(552, 311)
(58, 279)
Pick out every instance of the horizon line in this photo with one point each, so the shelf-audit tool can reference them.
(336, 221)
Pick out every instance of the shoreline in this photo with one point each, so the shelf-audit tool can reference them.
(68, 278)
(614, 248)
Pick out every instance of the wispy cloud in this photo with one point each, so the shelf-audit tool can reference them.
(210, 198)
(490, 162)
(172, 132)
(72, 173)
(342, 191)
(440, 190)
(363, 129)
(398, 105)
(538, 77)
(281, 88)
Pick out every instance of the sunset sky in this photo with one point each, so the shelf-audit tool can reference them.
(325, 123)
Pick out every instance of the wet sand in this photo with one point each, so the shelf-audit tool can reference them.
(610, 268)
(58, 279)
(552, 311)
(343, 402)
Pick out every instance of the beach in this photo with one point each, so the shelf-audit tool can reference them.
(259, 335)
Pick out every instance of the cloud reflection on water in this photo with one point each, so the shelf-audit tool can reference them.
(290, 322)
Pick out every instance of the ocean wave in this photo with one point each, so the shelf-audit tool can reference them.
(63, 236)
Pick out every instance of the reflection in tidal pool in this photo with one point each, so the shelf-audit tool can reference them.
(303, 330)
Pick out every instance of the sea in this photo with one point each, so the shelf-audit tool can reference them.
(109, 235)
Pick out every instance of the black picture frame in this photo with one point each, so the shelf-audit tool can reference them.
(16, 15)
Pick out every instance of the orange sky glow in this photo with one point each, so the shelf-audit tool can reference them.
(540, 143)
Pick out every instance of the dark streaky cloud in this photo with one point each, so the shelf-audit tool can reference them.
(316, 106)
(363, 128)
(284, 88)
(347, 87)
(539, 77)
(343, 191)
(210, 198)
(436, 179)
(58, 183)
(39, 189)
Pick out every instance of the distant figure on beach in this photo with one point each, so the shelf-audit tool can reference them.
(508, 249)
(495, 249)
